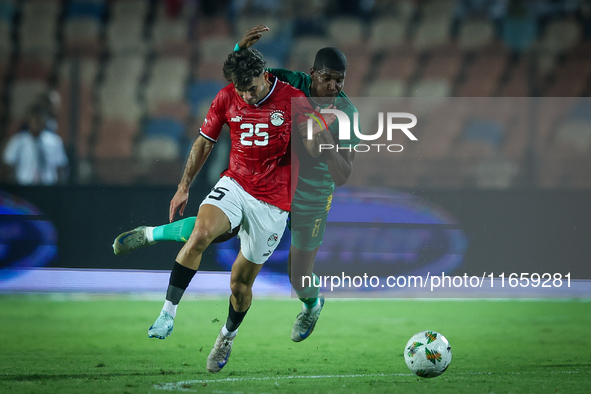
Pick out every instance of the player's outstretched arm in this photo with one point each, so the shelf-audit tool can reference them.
(197, 157)
(252, 36)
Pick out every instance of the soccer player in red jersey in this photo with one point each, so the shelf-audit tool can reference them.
(254, 193)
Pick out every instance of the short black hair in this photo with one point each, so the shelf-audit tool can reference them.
(243, 66)
(330, 58)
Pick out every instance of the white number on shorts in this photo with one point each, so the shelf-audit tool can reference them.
(254, 130)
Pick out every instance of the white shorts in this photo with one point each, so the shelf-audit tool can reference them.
(262, 224)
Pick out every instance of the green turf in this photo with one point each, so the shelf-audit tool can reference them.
(101, 346)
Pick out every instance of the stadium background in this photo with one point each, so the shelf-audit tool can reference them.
(136, 77)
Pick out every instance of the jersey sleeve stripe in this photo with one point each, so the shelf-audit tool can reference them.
(206, 136)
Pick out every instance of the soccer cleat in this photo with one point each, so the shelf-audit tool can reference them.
(162, 327)
(219, 355)
(131, 240)
(306, 321)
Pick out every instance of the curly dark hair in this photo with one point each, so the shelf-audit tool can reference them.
(243, 66)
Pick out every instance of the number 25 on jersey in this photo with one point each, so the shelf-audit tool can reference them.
(261, 137)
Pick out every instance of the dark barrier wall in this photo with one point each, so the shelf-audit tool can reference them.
(511, 232)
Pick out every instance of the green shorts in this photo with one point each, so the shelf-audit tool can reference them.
(308, 225)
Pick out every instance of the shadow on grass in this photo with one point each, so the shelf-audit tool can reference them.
(91, 376)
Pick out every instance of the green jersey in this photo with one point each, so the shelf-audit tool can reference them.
(315, 185)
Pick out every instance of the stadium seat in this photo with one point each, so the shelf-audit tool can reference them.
(216, 26)
(49, 9)
(164, 126)
(304, 51)
(88, 69)
(38, 35)
(482, 76)
(398, 65)
(443, 64)
(519, 33)
(119, 102)
(495, 173)
(126, 37)
(82, 36)
(167, 82)
(575, 134)
(486, 130)
(560, 35)
(130, 10)
(475, 34)
(115, 171)
(85, 9)
(386, 88)
(346, 31)
(215, 49)
(33, 67)
(202, 92)
(438, 8)
(387, 32)
(568, 78)
(154, 148)
(171, 37)
(124, 68)
(118, 93)
(432, 32)
(23, 94)
(114, 139)
(185, 13)
(431, 87)
(7, 10)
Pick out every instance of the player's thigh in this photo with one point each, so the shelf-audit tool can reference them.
(221, 210)
(307, 229)
(261, 230)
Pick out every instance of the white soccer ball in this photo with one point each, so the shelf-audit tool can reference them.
(427, 354)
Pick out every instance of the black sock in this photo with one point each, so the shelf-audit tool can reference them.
(180, 277)
(234, 318)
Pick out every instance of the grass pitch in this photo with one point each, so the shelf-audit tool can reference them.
(100, 345)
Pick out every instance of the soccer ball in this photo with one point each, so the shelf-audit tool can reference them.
(427, 354)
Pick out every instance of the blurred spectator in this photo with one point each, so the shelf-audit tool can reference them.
(36, 156)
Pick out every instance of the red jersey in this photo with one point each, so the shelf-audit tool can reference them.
(260, 156)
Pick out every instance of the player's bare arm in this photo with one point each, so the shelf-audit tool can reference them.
(252, 36)
(199, 152)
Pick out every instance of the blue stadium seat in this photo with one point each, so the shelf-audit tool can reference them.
(519, 33)
(200, 91)
(88, 9)
(485, 130)
(164, 126)
(6, 10)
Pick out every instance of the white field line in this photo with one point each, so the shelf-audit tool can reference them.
(186, 385)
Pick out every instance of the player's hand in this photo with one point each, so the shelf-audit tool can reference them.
(178, 202)
(252, 36)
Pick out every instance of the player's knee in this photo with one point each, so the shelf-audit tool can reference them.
(240, 290)
(200, 239)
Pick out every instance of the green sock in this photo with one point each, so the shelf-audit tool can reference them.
(178, 231)
(309, 295)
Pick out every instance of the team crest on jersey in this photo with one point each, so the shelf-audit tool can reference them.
(272, 239)
(277, 118)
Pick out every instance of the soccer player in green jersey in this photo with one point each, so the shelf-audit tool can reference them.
(316, 182)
